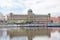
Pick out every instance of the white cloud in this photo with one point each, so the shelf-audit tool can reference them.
(38, 6)
(45, 7)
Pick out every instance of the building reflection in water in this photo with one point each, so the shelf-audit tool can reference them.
(55, 35)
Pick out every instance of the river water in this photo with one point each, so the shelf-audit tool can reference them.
(54, 36)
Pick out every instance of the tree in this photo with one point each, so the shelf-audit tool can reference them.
(51, 21)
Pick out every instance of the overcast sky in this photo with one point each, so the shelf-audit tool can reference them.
(38, 6)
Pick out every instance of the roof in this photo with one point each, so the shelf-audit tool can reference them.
(54, 19)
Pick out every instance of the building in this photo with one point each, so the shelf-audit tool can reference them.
(2, 18)
(31, 17)
(58, 19)
(55, 19)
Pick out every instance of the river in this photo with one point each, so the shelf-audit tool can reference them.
(54, 36)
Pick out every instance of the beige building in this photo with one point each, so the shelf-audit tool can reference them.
(29, 17)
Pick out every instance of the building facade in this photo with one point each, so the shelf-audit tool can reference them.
(29, 17)
(55, 19)
(2, 18)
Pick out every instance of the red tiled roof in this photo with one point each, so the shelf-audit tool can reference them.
(55, 19)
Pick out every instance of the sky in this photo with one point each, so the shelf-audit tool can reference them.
(38, 6)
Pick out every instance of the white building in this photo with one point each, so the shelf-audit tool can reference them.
(2, 18)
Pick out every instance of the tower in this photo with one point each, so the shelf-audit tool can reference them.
(30, 12)
(49, 15)
(30, 15)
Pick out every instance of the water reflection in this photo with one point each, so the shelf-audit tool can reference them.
(5, 36)
(20, 38)
(54, 36)
(41, 38)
